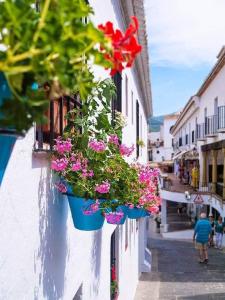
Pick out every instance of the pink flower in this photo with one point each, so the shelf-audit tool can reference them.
(63, 146)
(113, 139)
(114, 217)
(59, 165)
(93, 208)
(153, 209)
(103, 188)
(84, 173)
(97, 146)
(61, 187)
(91, 173)
(76, 166)
(126, 151)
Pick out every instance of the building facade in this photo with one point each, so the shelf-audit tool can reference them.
(199, 135)
(47, 257)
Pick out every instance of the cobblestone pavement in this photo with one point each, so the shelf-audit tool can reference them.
(176, 274)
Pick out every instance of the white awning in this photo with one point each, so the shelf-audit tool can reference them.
(190, 154)
(178, 155)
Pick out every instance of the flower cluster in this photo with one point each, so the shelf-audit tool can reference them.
(125, 46)
(113, 139)
(62, 146)
(114, 283)
(90, 210)
(114, 217)
(125, 150)
(59, 165)
(149, 195)
(103, 188)
(97, 146)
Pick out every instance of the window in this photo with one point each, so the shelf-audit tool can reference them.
(126, 95)
(186, 139)
(132, 107)
(193, 136)
(141, 135)
(116, 101)
(58, 109)
(180, 141)
(157, 151)
(215, 106)
(137, 129)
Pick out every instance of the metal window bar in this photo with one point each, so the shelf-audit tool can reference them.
(200, 131)
(211, 125)
(221, 117)
(46, 134)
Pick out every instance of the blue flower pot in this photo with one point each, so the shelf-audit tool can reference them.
(123, 209)
(136, 213)
(81, 221)
(6, 145)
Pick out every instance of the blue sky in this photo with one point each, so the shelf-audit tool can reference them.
(172, 87)
(184, 38)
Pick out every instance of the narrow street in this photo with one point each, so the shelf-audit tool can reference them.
(176, 274)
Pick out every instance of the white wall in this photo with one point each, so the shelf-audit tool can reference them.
(47, 257)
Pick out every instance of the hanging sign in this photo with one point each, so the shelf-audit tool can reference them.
(198, 199)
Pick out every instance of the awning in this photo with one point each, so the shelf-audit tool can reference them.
(190, 154)
(180, 154)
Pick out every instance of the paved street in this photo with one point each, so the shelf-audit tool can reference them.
(177, 275)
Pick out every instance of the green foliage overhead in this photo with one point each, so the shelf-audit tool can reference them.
(53, 45)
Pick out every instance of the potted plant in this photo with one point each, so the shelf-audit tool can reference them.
(92, 162)
(99, 181)
(147, 199)
(114, 288)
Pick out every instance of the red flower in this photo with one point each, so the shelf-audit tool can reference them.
(125, 47)
(113, 273)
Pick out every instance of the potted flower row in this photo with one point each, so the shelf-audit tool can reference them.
(96, 177)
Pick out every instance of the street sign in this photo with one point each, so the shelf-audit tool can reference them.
(198, 199)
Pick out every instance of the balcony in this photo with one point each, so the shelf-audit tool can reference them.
(157, 144)
(221, 119)
(200, 132)
(211, 126)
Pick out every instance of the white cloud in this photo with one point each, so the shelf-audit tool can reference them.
(185, 32)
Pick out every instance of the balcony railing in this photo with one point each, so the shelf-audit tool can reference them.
(200, 131)
(211, 125)
(221, 118)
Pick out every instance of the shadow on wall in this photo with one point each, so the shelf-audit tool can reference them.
(96, 255)
(53, 251)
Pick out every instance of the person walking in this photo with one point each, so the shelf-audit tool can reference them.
(219, 228)
(202, 235)
(212, 222)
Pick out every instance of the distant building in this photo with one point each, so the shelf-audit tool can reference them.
(160, 143)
